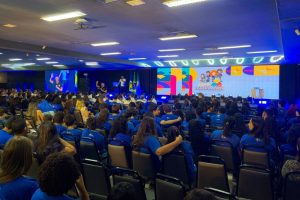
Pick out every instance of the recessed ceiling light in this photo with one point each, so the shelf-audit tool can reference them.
(168, 56)
(51, 62)
(212, 54)
(37, 55)
(135, 2)
(175, 3)
(257, 52)
(58, 65)
(178, 37)
(9, 25)
(110, 53)
(137, 58)
(43, 59)
(104, 44)
(235, 47)
(91, 63)
(15, 59)
(168, 50)
(1, 53)
(28, 64)
(62, 16)
(81, 60)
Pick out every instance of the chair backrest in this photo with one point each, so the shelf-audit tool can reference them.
(96, 179)
(212, 173)
(220, 194)
(255, 155)
(162, 140)
(88, 149)
(254, 183)
(142, 163)
(34, 169)
(117, 156)
(167, 187)
(169, 162)
(291, 186)
(130, 176)
(224, 150)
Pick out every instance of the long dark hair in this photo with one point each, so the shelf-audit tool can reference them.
(258, 129)
(118, 126)
(171, 135)
(229, 123)
(146, 129)
(47, 134)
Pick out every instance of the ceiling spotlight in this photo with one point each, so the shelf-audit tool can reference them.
(43, 59)
(44, 47)
(15, 59)
(135, 2)
(175, 3)
(62, 16)
(9, 25)
(178, 37)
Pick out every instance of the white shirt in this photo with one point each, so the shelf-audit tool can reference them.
(122, 82)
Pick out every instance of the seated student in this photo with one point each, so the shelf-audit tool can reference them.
(218, 119)
(80, 106)
(57, 104)
(186, 148)
(18, 127)
(119, 133)
(45, 105)
(189, 115)
(258, 137)
(58, 120)
(5, 133)
(240, 126)
(199, 140)
(169, 118)
(102, 121)
(155, 111)
(69, 121)
(115, 112)
(58, 174)
(3, 116)
(123, 191)
(146, 141)
(208, 114)
(290, 139)
(49, 142)
(199, 194)
(90, 132)
(16, 161)
(199, 112)
(292, 165)
(132, 121)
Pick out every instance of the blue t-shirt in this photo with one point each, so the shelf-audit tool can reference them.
(121, 139)
(218, 119)
(40, 195)
(168, 117)
(97, 137)
(233, 139)
(249, 139)
(45, 106)
(151, 144)
(4, 137)
(189, 155)
(60, 128)
(75, 132)
(19, 189)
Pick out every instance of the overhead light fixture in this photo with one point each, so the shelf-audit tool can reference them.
(15, 59)
(235, 47)
(28, 64)
(51, 62)
(91, 63)
(275, 59)
(110, 53)
(104, 44)
(43, 59)
(135, 2)
(81, 60)
(1, 53)
(258, 52)
(9, 25)
(212, 54)
(169, 50)
(168, 56)
(175, 3)
(137, 58)
(63, 16)
(178, 37)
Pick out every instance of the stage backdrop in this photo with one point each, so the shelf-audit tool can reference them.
(259, 81)
(61, 81)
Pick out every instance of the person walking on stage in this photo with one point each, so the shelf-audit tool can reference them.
(122, 85)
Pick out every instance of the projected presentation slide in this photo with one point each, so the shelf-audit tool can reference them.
(61, 81)
(258, 81)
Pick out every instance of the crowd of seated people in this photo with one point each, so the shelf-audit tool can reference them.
(188, 125)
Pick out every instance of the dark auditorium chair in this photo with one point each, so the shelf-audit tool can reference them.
(220, 194)
(254, 183)
(34, 168)
(117, 156)
(142, 163)
(291, 187)
(174, 164)
(89, 150)
(167, 187)
(96, 179)
(212, 173)
(224, 150)
(130, 176)
(255, 155)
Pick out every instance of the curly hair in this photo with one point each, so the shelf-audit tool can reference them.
(58, 174)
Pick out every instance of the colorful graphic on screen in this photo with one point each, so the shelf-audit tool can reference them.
(61, 81)
(258, 81)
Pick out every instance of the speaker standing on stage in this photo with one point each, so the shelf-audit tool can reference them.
(103, 89)
(122, 84)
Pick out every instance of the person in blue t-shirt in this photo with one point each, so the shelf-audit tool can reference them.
(16, 161)
(119, 133)
(208, 114)
(146, 141)
(169, 118)
(189, 115)
(5, 133)
(186, 148)
(102, 121)
(59, 173)
(58, 120)
(97, 137)
(69, 121)
(218, 119)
